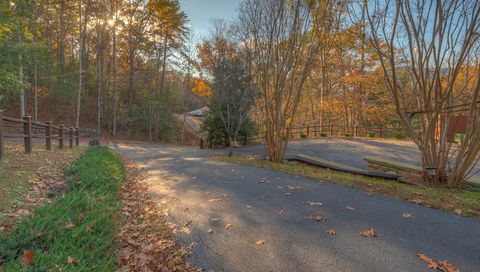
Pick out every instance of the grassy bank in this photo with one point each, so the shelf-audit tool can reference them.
(75, 232)
(25, 177)
(460, 202)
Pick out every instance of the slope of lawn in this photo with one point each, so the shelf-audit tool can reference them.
(24, 177)
(75, 232)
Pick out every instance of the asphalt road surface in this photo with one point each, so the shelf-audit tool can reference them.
(202, 194)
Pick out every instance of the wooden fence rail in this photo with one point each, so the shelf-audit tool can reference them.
(317, 131)
(26, 129)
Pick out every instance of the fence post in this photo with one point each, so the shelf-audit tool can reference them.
(60, 136)
(356, 131)
(331, 130)
(77, 136)
(381, 132)
(48, 140)
(1, 135)
(245, 140)
(27, 131)
(201, 143)
(308, 130)
(70, 138)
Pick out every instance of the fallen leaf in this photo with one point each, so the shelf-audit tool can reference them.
(213, 200)
(188, 223)
(288, 194)
(350, 208)
(369, 233)
(311, 203)
(331, 232)
(260, 242)
(264, 196)
(447, 267)
(407, 215)
(27, 258)
(210, 231)
(319, 218)
(248, 206)
(80, 218)
(215, 219)
(72, 260)
(417, 201)
(228, 226)
(70, 225)
(438, 265)
(281, 212)
(458, 211)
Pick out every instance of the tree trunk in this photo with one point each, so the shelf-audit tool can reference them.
(99, 82)
(20, 78)
(35, 72)
(130, 75)
(80, 61)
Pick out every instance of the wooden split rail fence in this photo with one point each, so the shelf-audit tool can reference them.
(26, 129)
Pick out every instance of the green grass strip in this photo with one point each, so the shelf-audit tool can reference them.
(90, 204)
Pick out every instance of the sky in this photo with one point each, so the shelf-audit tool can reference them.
(202, 12)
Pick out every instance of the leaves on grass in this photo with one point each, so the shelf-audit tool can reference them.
(228, 226)
(80, 219)
(260, 242)
(331, 232)
(27, 258)
(350, 208)
(369, 233)
(407, 215)
(444, 266)
(72, 260)
(70, 225)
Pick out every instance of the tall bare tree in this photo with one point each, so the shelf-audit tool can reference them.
(429, 53)
(284, 37)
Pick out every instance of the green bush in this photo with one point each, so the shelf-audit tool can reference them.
(303, 135)
(347, 135)
(78, 224)
(217, 135)
(323, 135)
(399, 136)
(370, 135)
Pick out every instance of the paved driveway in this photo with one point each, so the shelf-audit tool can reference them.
(346, 151)
(202, 194)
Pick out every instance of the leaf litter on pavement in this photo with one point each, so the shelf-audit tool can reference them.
(146, 240)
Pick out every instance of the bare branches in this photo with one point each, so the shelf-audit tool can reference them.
(425, 49)
(284, 39)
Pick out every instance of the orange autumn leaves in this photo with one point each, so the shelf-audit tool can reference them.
(437, 265)
(201, 88)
